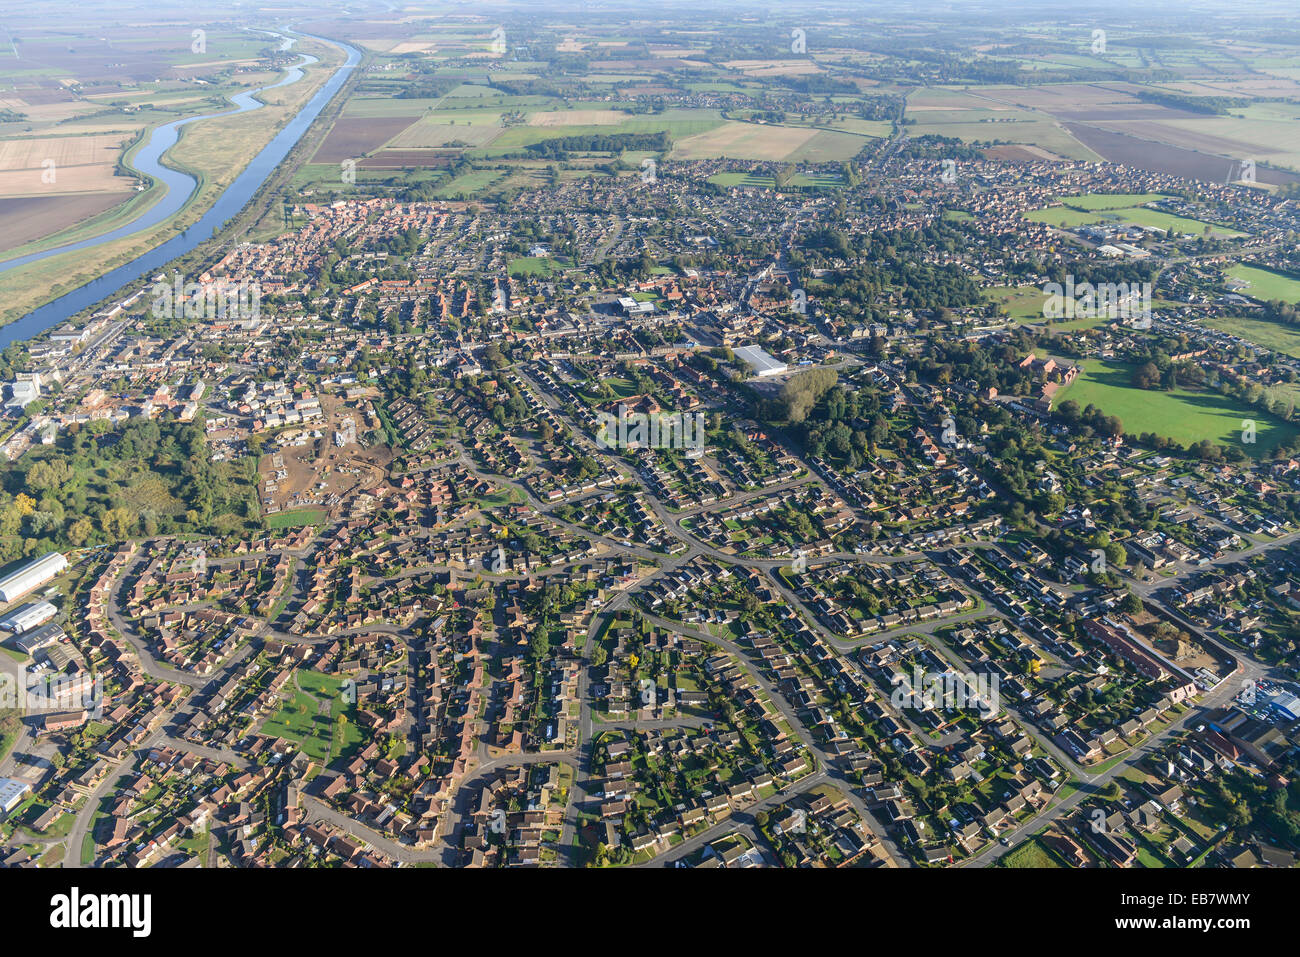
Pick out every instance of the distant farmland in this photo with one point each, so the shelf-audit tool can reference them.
(753, 141)
(1162, 158)
(353, 137)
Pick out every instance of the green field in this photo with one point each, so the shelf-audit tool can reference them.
(1167, 221)
(1030, 854)
(467, 184)
(1270, 335)
(1096, 201)
(1267, 285)
(1092, 208)
(316, 717)
(1063, 217)
(299, 516)
(1023, 303)
(532, 266)
(1184, 416)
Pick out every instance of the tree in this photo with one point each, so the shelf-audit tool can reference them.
(79, 532)
(1146, 376)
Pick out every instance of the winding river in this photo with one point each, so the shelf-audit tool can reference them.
(180, 187)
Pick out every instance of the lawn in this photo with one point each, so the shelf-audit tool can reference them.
(1023, 303)
(532, 266)
(1270, 335)
(1167, 221)
(1063, 217)
(1076, 213)
(1184, 416)
(295, 518)
(1267, 285)
(1031, 854)
(316, 716)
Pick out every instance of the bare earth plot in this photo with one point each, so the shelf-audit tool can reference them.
(773, 67)
(352, 137)
(24, 219)
(578, 118)
(81, 164)
(1016, 118)
(752, 141)
(1163, 158)
(401, 159)
(428, 135)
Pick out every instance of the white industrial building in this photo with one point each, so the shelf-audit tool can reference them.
(32, 575)
(25, 390)
(12, 793)
(28, 616)
(763, 363)
(632, 307)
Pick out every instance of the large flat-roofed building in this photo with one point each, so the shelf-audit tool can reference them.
(763, 363)
(28, 616)
(12, 793)
(37, 638)
(633, 307)
(32, 575)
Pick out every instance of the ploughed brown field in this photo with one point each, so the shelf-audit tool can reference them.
(23, 220)
(1161, 158)
(399, 159)
(354, 136)
(1020, 154)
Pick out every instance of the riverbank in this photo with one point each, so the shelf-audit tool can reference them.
(215, 151)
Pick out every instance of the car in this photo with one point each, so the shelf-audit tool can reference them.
(1004, 841)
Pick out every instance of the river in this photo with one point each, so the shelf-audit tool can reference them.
(180, 187)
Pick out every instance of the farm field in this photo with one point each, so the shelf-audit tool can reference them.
(1184, 416)
(752, 141)
(62, 164)
(1160, 157)
(368, 106)
(1041, 133)
(353, 137)
(764, 181)
(577, 118)
(216, 149)
(1276, 141)
(974, 117)
(467, 184)
(32, 218)
(676, 123)
(402, 159)
(1266, 285)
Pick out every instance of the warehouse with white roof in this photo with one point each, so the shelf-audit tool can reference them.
(27, 616)
(32, 575)
(763, 363)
